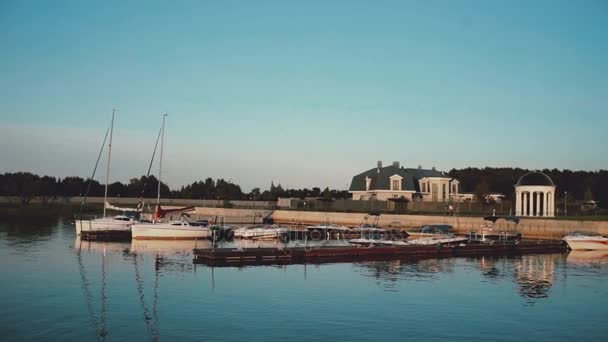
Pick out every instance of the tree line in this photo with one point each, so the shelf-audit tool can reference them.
(580, 185)
(27, 186)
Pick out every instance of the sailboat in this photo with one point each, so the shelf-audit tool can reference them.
(119, 224)
(183, 229)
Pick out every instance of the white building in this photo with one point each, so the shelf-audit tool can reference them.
(535, 195)
(395, 181)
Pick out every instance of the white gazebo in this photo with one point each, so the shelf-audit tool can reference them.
(535, 195)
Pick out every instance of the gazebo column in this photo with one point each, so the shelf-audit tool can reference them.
(517, 204)
(527, 204)
(538, 203)
(546, 206)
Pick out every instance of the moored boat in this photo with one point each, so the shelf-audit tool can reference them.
(491, 234)
(586, 241)
(438, 240)
(118, 223)
(261, 232)
(431, 230)
(173, 230)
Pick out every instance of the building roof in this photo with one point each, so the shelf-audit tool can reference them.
(381, 178)
(535, 178)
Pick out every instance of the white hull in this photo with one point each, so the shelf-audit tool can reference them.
(260, 233)
(587, 244)
(437, 241)
(102, 225)
(162, 231)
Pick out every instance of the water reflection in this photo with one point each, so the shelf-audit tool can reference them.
(535, 274)
(389, 273)
(588, 258)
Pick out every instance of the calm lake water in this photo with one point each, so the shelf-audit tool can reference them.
(54, 287)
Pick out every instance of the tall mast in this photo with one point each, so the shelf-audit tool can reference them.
(105, 195)
(160, 166)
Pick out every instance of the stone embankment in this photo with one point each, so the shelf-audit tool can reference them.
(529, 227)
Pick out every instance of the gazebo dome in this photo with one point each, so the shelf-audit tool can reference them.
(535, 178)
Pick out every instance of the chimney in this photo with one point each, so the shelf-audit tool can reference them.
(379, 165)
(396, 164)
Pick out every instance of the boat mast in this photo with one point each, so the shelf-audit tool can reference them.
(105, 195)
(160, 167)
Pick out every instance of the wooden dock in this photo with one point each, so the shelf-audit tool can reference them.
(261, 256)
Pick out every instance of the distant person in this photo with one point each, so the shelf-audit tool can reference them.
(451, 210)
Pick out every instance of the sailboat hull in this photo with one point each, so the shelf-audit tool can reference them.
(102, 225)
(161, 232)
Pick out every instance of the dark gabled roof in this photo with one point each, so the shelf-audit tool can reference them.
(535, 178)
(381, 180)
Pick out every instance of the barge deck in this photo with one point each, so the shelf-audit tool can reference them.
(289, 255)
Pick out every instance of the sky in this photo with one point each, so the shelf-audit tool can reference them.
(302, 93)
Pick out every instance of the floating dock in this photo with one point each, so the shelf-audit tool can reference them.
(290, 255)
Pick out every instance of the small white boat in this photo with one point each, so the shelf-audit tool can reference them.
(174, 230)
(586, 241)
(392, 243)
(365, 242)
(329, 227)
(438, 240)
(261, 232)
(118, 223)
(362, 241)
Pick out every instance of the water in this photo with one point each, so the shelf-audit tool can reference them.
(55, 288)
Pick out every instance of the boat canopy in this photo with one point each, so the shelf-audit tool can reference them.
(494, 219)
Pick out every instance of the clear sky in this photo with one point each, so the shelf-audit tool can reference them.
(305, 93)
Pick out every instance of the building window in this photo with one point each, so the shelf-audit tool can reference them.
(453, 188)
(435, 192)
(444, 190)
(396, 184)
(423, 187)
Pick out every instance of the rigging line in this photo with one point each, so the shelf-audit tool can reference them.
(86, 194)
(140, 291)
(103, 331)
(85, 288)
(141, 197)
(157, 262)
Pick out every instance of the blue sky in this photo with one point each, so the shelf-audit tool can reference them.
(305, 93)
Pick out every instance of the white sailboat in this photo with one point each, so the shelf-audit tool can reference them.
(119, 223)
(173, 230)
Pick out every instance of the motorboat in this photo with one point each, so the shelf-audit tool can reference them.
(328, 231)
(438, 240)
(172, 230)
(586, 241)
(370, 242)
(261, 232)
(431, 230)
(492, 233)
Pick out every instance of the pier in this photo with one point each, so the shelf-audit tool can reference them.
(291, 255)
